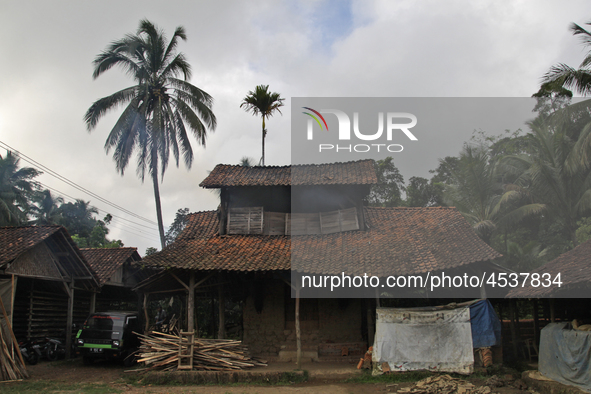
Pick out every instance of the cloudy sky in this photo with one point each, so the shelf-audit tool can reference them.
(321, 48)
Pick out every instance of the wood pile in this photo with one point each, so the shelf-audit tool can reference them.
(160, 351)
(444, 384)
(12, 366)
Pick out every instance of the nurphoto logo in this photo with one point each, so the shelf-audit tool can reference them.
(396, 122)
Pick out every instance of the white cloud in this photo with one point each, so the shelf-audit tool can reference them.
(380, 48)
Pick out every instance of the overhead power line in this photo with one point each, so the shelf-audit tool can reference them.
(75, 185)
(116, 219)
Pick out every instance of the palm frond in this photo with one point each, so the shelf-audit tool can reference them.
(102, 106)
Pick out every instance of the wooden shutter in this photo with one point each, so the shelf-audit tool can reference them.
(245, 220)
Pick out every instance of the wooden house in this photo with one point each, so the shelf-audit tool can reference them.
(309, 218)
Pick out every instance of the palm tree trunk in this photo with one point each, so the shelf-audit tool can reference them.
(157, 195)
(264, 135)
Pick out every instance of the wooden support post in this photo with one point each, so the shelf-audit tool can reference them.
(514, 339)
(191, 303)
(298, 331)
(30, 311)
(552, 311)
(371, 326)
(92, 302)
(221, 310)
(536, 322)
(12, 296)
(69, 320)
(147, 323)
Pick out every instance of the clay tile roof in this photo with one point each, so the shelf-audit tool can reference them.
(574, 268)
(360, 172)
(106, 261)
(399, 241)
(16, 240)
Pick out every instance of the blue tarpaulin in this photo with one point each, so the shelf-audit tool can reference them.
(486, 327)
(564, 355)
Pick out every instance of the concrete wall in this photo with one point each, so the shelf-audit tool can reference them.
(267, 333)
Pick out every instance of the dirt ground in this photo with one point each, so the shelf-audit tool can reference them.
(324, 378)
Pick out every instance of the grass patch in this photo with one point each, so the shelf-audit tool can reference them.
(51, 387)
(398, 377)
(238, 378)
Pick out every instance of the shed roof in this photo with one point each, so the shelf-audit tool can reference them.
(15, 241)
(399, 240)
(106, 261)
(360, 172)
(574, 268)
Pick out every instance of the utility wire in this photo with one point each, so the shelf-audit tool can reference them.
(112, 224)
(75, 185)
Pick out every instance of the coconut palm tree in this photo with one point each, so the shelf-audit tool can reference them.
(16, 189)
(47, 209)
(486, 203)
(556, 175)
(564, 76)
(264, 103)
(160, 107)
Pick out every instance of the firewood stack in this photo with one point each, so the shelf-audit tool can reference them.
(160, 351)
(12, 365)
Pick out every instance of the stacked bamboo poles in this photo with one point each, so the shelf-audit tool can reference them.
(12, 365)
(160, 351)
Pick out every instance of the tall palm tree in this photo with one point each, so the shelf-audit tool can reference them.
(563, 76)
(264, 103)
(16, 190)
(158, 107)
(47, 209)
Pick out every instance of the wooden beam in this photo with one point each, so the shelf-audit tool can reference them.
(298, 331)
(180, 281)
(69, 320)
(191, 303)
(147, 323)
(92, 302)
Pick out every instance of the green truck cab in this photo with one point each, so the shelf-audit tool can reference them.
(109, 335)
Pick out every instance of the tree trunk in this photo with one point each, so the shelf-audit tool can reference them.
(264, 135)
(157, 196)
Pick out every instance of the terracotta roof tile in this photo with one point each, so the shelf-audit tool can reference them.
(574, 268)
(360, 172)
(399, 241)
(16, 240)
(106, 261)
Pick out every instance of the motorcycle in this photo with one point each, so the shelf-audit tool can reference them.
(31, 351)
(54, 348)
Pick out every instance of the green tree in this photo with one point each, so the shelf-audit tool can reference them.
(177, 226)
(16, 190)
(77, 218)
(562, 76)
(557, 176)
(46, 210)
(421, 192)
(390, 186)
(264, 103)
(150, 250)
(477, 192)
(159, 107)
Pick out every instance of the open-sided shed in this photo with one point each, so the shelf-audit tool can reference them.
(43, 269)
